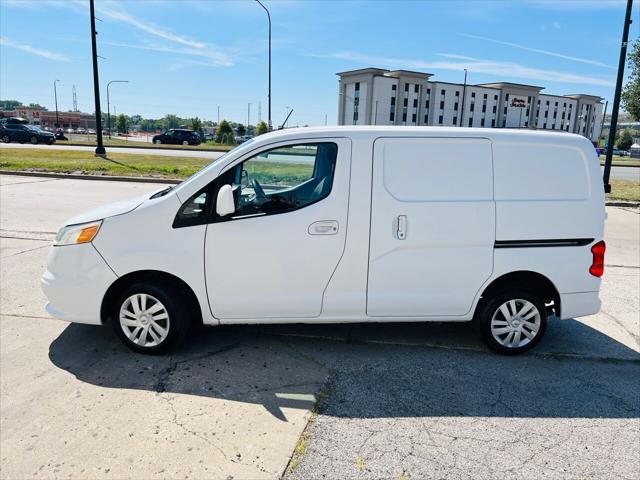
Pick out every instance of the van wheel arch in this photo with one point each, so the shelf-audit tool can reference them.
(525, 280)
(155, 277)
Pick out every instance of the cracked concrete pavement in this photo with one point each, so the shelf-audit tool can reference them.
(412, 400)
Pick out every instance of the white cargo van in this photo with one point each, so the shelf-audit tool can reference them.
(350, 224)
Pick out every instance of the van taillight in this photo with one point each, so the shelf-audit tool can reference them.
(597, 266)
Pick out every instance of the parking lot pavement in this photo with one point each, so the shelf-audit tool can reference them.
(397, 401)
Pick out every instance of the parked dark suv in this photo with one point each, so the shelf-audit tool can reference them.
(17, 132)
(178, 136)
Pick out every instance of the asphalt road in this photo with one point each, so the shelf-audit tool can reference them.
(618, 173)
(136, 151)
(396, 400)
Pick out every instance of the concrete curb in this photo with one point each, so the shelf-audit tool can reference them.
(78, 144)
(110, 178)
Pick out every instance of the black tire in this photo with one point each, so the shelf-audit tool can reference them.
(34, 140)
(491, 306)
(6, 139)
(176, 305)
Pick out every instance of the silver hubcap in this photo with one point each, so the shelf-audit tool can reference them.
(144, 320)
(515, 323)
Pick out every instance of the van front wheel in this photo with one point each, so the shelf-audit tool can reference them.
(150, 318)
(512, 321)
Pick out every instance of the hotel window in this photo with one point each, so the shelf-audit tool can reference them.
(472, 107)
(455, 106)
(493, 123)
(470, 121)
(505, 110)
(537, 113)
(556, 104)
(428, 92)
(414, 118)
(544, 126)
(426, 105)
(504, 122)
(442, 104)
(569, 116)
(457, 93)
(394, 87)
(393, 101)
(563, 114)
(507, 97)
(555, 114)
(406, 87)
(564, 104)
(484, 97)
(455, 120)
(473, 94)
(355, 116)
(484, 107)
(547, 103)
(426, 119)
(495, 97)
(357, 86)
(416, 88)
(405, 103)
(495, 109)
(440, 119)
(546, 114)
(527, 112)
(482, 122)
(404, 117)
(415, 103)
(392, 116)
(567, 129)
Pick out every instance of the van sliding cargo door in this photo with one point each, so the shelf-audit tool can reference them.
(432, 226)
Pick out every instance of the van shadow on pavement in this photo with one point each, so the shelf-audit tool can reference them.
(372, 370)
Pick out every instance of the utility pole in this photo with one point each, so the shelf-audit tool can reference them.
(248, 114)
(75, 100)
(616, 98)
(218, 115)
(464, 94)
(269, 95)
(100, 150)
(55, 96)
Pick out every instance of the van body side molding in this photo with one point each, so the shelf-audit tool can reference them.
(557, 242)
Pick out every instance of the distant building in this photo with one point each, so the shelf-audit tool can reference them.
(47, 119)
(375, 96)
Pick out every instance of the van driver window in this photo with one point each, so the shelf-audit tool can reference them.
(284, 179)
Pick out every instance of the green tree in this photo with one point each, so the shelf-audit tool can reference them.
(122, 124)
(240, 130)
(261, 128)
(37, 105)
(626, 140)
(223, 130)
(170, 121)
(631, 91)
(196, 125)
(9, 104)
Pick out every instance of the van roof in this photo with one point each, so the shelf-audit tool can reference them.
(373, 131)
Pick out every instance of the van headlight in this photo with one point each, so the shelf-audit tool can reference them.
(80, 233)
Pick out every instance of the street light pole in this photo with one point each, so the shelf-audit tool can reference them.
(108, 109)
(464, 95)
(55, 96)
(616, 98)
(100, 150)
(269, 95)
(248, 114)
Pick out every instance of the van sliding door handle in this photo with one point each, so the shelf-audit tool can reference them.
(323, 227)
(402, 227)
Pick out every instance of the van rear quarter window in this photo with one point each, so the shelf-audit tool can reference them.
(539, 172)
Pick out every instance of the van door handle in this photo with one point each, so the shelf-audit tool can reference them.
(402, 227)
(323, 227)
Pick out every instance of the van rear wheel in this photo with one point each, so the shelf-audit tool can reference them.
(512, 321)
(151, 318)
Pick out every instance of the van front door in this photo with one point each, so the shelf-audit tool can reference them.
(432, 226)
(274, 256)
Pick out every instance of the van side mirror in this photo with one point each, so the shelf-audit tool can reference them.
(225, 204)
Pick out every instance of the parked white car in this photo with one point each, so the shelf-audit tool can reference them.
(349, 224)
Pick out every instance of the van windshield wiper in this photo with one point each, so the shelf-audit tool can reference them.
(161, 193)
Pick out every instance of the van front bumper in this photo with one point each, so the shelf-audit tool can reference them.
(581, 304)
(75, 283)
